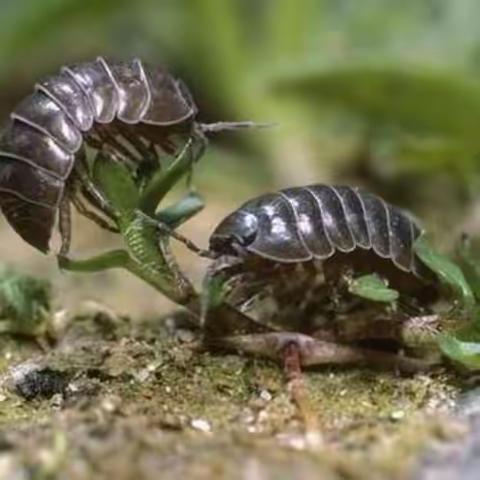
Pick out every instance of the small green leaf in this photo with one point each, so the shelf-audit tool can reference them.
(181, 211)
(372, 287)
(116, 182)
(447, 272)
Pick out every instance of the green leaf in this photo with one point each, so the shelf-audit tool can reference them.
(448, 273)
(463, 346)
(470, 265)
(116, 182)
(417, 100)
(465, 353)
(372, 287)
(181, 211)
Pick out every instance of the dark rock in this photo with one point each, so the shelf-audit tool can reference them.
(31, 380)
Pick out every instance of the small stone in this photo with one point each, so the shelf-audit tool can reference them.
(201, 425)
(262, 416)
(185, 335)
(247, 417)
(265, 395)
(397, 415)
(142, 375)
(57, 401)
(151, 367)
(296, 442)
(111, 404)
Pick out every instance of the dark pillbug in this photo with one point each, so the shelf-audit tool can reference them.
(316, 221)
(93, 103)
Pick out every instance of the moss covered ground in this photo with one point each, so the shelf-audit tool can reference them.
(119, 399)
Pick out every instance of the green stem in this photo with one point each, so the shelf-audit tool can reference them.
(104, 261)
(150, 257)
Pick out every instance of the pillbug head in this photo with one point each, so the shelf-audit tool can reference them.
(239, 229)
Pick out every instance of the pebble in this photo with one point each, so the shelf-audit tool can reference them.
(185, 336)
(111, 403)
(265, 395)
(397, 415)
(201, 425)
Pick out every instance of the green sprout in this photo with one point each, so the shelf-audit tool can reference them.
(463, 344)
(147, 251)
(146, 232)
(448, 273)
(372, 287)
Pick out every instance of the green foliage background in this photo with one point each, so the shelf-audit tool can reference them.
(379, 92)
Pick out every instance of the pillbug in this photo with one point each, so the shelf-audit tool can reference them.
(279, 239)
(130, 107)
(295, 259)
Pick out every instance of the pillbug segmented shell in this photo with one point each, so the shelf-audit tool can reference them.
(313, 222)
(46, 133)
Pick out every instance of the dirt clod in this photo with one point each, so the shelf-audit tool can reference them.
(30, 380)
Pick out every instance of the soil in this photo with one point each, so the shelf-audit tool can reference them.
(130, 400)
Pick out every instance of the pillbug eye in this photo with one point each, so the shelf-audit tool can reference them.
(247, 238)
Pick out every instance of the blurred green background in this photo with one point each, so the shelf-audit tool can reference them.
(378, 93)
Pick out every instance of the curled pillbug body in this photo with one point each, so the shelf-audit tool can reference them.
(98, 103)
(315, 222)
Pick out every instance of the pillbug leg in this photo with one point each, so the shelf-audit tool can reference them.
(93, 193)
(149, 160)
(89, 189)
(92, 215)
(112, 145)
(65, 224)
(146, 152)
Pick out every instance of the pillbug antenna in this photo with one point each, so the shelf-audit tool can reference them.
(222, 126)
